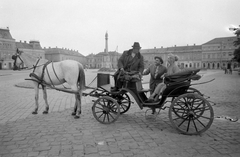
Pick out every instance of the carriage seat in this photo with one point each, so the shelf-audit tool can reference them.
(182, 76)
(178, 83)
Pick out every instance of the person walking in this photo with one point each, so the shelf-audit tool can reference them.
(229, 67)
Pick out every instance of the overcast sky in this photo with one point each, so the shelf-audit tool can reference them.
(81, 24)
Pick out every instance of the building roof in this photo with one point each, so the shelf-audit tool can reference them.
(184, 48)
(111, 53)
(221, 40)
(62, 51)
(172, 49)
(154, 50)
(24, 45)
(5, 34)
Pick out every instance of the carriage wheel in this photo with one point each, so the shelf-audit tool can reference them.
(124, 102)
(190, 90)
(106, 110)
(193, 90)
(194, 114)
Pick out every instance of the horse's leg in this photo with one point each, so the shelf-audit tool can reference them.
(77, 108)
(36, 88)
(45, 98)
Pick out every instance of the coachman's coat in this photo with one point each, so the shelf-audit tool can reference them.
(128, 63)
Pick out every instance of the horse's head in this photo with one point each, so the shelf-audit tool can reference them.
(18, 62)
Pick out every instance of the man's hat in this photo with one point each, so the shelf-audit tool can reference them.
(136, 45)
(160, 58)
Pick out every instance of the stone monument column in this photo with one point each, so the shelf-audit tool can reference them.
(107, 60)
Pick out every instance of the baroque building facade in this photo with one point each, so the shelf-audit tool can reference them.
(7, 49)
(214, 54)
(9, 46)
(59, 54)
(218, 52)
(188, 56)
(95, 61)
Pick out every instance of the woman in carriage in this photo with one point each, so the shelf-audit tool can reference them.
(171, 69)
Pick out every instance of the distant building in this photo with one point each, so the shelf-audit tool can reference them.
(218, 52)
(214, 54)
(95, 61)
(7, 49)
(189, 56)
(149, 54)
(59, 54)
(32, 48)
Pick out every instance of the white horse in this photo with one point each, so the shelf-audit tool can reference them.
(47, 73)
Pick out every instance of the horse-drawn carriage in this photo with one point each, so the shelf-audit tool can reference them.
(189, 112)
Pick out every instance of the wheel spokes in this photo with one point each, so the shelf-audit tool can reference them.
(190, 113)
(106, 110)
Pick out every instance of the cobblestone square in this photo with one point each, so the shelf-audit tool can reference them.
(59, 134)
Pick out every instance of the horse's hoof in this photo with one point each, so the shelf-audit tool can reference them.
(34, 112)
(76, 117)
(45, 112)
(73, 113)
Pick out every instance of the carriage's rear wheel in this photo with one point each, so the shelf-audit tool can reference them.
(106, 110)
(190, 90)
(191, 114)
(193, 90)
(124, 102)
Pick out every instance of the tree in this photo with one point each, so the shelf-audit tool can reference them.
(237, 44)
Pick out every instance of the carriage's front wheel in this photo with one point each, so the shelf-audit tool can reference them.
(106, 110)
(191, 114)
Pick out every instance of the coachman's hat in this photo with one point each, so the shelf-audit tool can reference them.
(136, 45)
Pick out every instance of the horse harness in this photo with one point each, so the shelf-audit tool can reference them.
(40, 80)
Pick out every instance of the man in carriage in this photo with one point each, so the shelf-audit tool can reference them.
(130, 61)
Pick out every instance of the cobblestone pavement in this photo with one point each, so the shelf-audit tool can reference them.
(59, 134)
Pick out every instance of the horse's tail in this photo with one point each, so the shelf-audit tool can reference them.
(81, 78)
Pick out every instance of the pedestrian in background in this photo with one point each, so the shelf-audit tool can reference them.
(229, 67)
